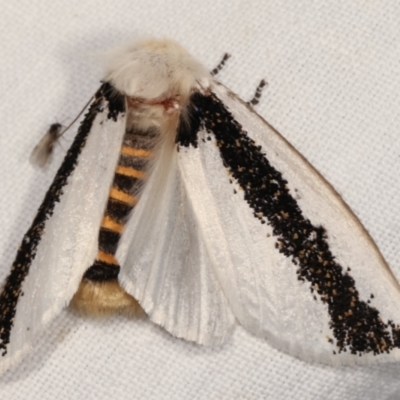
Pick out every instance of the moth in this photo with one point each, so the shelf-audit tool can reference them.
(176, 198)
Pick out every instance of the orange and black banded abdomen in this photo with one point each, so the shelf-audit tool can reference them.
(130, 173)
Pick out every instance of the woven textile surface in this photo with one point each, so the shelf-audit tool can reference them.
(333, 91)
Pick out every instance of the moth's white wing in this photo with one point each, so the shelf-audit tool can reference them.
(165, 264)
(190, 224)
(68, 244)
(260, 282)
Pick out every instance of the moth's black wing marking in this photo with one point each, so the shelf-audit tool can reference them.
(357, 327)
(27, 251)
(115, 100)
(190, 126)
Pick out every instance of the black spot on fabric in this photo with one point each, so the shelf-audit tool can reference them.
(357, 326)
(27, 251)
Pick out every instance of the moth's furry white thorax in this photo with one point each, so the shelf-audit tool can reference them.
(154, 69)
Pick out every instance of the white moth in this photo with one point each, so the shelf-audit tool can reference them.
(212, 220)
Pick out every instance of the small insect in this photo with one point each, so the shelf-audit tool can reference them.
(178, 200)
(42, 152)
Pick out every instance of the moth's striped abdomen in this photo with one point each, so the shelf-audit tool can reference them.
(130, 174)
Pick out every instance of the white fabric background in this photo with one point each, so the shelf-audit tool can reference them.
(334, 90)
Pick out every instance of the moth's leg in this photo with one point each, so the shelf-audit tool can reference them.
(257, 95)
(220, 65)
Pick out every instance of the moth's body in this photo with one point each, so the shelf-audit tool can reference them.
(99, 291)
(178, 197)
(152, 119)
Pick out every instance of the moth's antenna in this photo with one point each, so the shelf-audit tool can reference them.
(257, 95)
(221, 64)
(76, 118)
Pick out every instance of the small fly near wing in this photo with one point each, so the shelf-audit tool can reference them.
(42, 152)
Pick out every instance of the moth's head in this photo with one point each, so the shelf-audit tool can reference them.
(154, 69)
